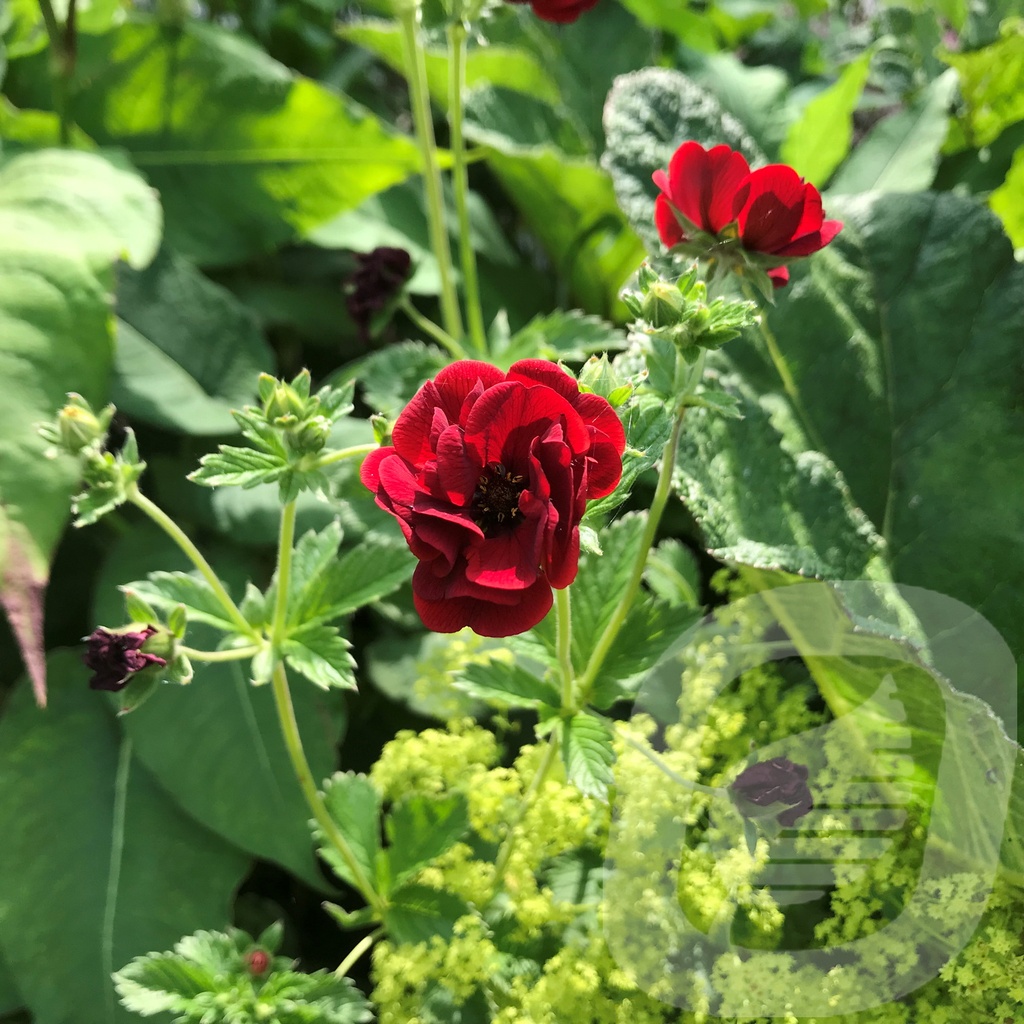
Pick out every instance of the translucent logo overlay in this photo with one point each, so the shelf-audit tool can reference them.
(910, 772)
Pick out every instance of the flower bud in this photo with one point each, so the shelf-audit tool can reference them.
(78, 427)
(257, 962)
(663, 306)
(116, 656)
(284, 404)
(773, 789)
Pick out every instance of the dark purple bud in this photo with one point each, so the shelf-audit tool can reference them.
(777, 781)
(115, 657)
(375, 282)
(257, 962)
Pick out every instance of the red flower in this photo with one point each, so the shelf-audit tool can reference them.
(770, 783)
(115, 657)
(559, 11)
(771, 211)
(488, 478)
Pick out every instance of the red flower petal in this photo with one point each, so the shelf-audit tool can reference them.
(669, 229)
(690, 181)
(450, 612)
(805, 245)
(779, 276)
(540, 371)
(769, 206)
(728, 168)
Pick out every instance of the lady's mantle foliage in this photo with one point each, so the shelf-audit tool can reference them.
(488, 478)
(562, 12)
(710, 198)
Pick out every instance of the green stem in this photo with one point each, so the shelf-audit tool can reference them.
(460, 183)
(550, 754)
(428, 327)
(285, 544)
(195, 556)
(661, 495)
(330, 830)
(782, 369)
(416, 73)
(346, 453)
(62, 63)
(563, 624)
(232, 654)
(358, 950)
(696, 787)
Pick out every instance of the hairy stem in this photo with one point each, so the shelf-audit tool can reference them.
(416, 73)
(195, 556)
(358, 950)
(563, 621)
(432, 330)
(304, 775)
(285, 545)
(460, 183)
(232, 654)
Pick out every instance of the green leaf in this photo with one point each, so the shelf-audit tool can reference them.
(649, 114)
(692, 25)
(673, 574)
(507, 684)
(1007, 201)
(10, 998)
(166, 590)
(990, 84)
(234, 774)
(390, 376)
(420, 829)
(187, 350)
(66, 200)
(914, 317)
(125, 845)
(648, 428)
(901, 152)
(354, 805)
(588, 754)
(760, 504)
(564, 334)
(322, 655)
(64, 217)
(313, 554)
(417, 913)
(246, 156)
(489, 64)
(208, 973)
(820, 138)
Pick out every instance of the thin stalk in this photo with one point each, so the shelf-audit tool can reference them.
(696, 787)
(460, 184)
(346, 453)
(285, 544)
(661, 495)
(233, 654)
(550, 754)
(428, 327)
(358, 950)
(62, 63)
(195, 556)
(563, 625)
(331, 832)
(416, 73)
(782, 369)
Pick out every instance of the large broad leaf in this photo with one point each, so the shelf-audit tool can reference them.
(649, 114)
(10, 997)
(246, 155)
(233, 774)
(64, 217)
(903, 338)
(1007, 201)
(187, 350)
(901, 152)
(130, 873)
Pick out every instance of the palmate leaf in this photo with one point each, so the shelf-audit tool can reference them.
(355, 806)
(322, 655)
(417, 913)
(506, 684)
(588, 754)
(420, 829)
(165, 591)
(564, 334)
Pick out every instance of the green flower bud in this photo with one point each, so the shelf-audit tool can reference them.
(663, 306)
(78, 427)
(284, 405)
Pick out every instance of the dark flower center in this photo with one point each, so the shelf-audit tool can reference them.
(496, 501)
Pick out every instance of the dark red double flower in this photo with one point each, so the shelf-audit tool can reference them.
(709, 197)
(488, 478)
(561, 12)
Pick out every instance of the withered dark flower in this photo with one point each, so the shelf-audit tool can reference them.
(776, 781)
(375, 282)
(115, 657)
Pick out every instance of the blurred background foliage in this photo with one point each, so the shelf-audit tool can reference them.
(231, 157)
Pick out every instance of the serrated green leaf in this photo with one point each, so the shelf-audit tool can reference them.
(313, 555)
(392, 375)
(1007, 201)
(354, 805)
(564, 334)
(322, 655)
(672, 573)
(720, 402)
(137, 609)
(506, 684)
(417, 913)
(239, 467)
(587, 754)
(167, 590)
(649, 114)
(648, 428)
(420, 829)
(820, 138)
